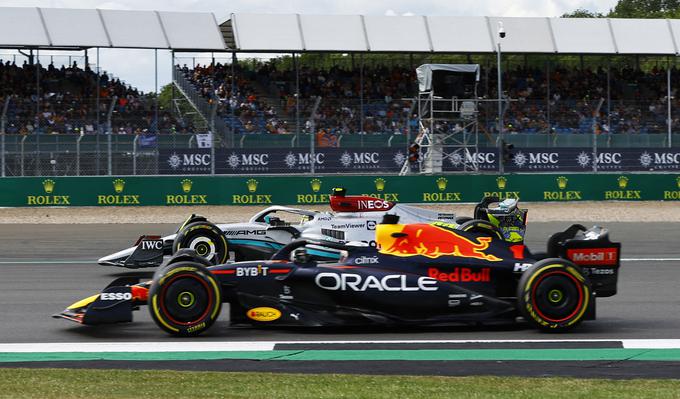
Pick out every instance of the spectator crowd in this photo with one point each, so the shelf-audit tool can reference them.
(261, 98)
(573, 100)
(556, 100)
(65, 101)
(264, 98)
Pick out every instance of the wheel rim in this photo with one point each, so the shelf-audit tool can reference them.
(186, 299)
(204, 247)
(557, 296)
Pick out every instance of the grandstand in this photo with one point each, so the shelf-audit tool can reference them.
(571, 82)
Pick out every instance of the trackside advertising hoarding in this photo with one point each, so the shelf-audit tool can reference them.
(253, 161)
(529, 160)
(241, 161)
(303, 190)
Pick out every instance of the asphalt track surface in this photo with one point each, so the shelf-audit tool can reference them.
(47, 267)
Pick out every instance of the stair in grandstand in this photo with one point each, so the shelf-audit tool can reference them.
(203, 109)
(185, 110)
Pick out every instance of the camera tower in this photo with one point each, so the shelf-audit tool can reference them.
(447, 118)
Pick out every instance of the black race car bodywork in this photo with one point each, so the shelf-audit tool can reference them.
(422, 274)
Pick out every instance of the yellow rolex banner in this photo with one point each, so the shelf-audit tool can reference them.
(307, 190)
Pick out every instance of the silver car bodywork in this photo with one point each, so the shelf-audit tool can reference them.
(272, 228)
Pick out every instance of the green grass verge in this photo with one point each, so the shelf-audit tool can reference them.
(138, 384)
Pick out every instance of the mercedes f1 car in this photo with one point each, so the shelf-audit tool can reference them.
(353, 218)
(419, 274)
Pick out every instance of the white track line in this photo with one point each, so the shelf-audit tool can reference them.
(650, 259)
(172, 346)
(651, 343)
(212, 346)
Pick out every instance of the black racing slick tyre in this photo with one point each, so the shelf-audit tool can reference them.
(553, 295)
(481, 226)
(185, 299)
(183, 255)
(463, 219)
(206, 239)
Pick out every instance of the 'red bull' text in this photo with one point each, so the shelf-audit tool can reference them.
(461, 275)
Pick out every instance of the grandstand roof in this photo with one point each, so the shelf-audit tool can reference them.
(445, 34)
(22, 27)
(80, 28)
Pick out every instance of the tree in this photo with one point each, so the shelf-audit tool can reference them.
(645, 9)
(582, 13)
(633, 9)
(165, 98)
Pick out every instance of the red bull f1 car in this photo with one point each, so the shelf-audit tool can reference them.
(419, 274)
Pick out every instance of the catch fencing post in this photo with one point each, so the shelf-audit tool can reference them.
(408, 124)
(22, 155)
(2, 150)
(361, 98)
(594, 127)
(78, 154)
(3, 123)
(668, 103)
(134, 155)
(312, 136)
(109, 132)
(37, 113)
(297, 96)
(212, 152)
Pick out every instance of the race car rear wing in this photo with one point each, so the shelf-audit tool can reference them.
(592, 250)
(341, 202)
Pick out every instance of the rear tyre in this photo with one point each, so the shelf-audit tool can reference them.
(185, 299)
(206, 239)
(553, 295)
(481, 227)
(183, 255)
(463, 219)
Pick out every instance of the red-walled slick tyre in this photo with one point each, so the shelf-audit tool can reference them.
(185, 299)
(553, 295)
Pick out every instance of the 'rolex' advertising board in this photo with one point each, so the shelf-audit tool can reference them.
(254, 189)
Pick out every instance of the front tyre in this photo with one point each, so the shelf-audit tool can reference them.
(206, 239)
(553, 295)
(185, 299)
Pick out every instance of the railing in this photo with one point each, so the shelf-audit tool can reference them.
(121, 154)
(3, 123)
(3, 116)
(582, 140)
(207, 110)
(85, 155)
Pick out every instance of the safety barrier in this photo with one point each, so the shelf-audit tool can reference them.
(303, 190)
